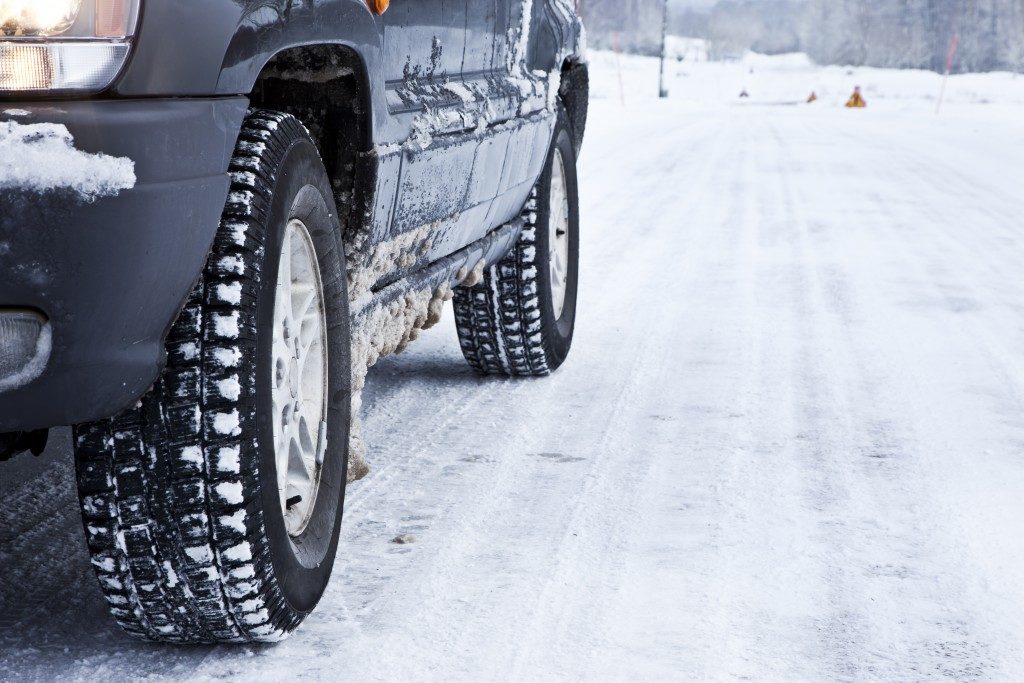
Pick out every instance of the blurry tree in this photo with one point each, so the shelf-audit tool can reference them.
(768, 26)
(916, 33)
(891, 33)
(637, 23)
(688, 22)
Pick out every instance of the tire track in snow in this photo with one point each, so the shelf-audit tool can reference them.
(949, 642)
(31, 532)
(605, 510)
(485, 493)
(519, 483)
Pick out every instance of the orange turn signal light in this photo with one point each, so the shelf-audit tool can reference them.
(112, 18)
(379, 6)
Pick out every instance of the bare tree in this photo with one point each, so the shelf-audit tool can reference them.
(636, 22)
(892, 33)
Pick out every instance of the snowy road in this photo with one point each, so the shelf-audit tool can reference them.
(789, 443)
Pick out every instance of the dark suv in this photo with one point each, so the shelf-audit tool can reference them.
(215, 215)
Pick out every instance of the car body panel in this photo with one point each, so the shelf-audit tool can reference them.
(111, 274)
(461, 110)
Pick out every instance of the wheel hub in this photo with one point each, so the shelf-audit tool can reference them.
(299, 391)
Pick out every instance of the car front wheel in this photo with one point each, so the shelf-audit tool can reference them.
(212, 509)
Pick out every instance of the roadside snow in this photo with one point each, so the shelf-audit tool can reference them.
(788, 80)
(41, 156)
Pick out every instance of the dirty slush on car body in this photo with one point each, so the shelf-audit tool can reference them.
(203, 255)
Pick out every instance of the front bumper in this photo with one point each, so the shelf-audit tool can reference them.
(111, 273)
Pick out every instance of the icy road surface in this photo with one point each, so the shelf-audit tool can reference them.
(789, 443)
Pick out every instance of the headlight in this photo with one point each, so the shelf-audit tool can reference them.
(64, 45)
(37, 18)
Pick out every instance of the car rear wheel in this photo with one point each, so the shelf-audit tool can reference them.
(519, 319)
(212, 509)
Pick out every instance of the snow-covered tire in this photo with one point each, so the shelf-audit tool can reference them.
(509, 323)
(179, 494)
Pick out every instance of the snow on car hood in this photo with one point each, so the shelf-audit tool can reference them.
(42, 156)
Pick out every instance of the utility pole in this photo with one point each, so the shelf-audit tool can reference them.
(950, 58)
(662, 92)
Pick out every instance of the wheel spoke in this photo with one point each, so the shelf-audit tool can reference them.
(282, 462)
(298, 472)
(309, 349)
(306, 296)
(308, 444)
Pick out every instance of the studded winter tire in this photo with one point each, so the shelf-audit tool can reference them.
(212, 508)
(519, 319)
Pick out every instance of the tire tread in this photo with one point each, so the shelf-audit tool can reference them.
(499, 319)
(167, 491)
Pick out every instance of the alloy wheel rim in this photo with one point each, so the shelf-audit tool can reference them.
(558, 235)
(299, 377)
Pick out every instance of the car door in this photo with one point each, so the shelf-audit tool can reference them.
(424, 41)
(448, 86)
(511, 155)
(503, 135)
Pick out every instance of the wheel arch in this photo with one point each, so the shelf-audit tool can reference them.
(225, 44)
(327, 87)
(270, 29)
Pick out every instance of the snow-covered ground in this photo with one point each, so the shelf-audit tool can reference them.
(790, 79)
(789, 443)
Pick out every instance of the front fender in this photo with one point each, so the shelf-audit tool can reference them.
(558, 36)
(218, 47)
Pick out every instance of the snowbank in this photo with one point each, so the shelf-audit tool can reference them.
(789, 79)
(42, 156)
